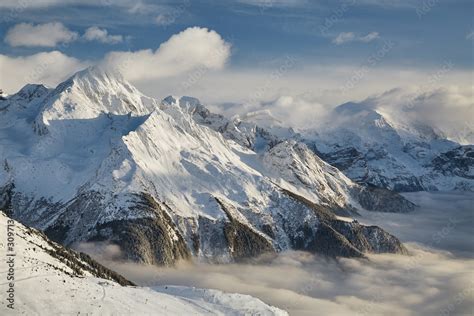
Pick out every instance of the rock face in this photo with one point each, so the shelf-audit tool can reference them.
(379, 199)
(95, 160)
(336, 237)
(153, 239)
(456, 163)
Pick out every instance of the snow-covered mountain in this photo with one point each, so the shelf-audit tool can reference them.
(49, 278)
(94, 160)
(375, 145)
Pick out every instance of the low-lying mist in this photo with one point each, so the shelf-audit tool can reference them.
(436, 279)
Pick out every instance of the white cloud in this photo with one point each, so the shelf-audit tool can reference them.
(192, 63)
(275, 3)
(46, 35)
(346, 37)
(470, 36)
(193, 48)
(369, 37)
(35, 4)
(448, 109)
(49, 68)
(317, 83)
(389, 4)
(95, 33)
(382, 285)
(15, 4)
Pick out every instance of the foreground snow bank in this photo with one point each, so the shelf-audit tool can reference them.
(52, 280)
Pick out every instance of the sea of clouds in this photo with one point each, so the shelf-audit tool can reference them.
(435, 279)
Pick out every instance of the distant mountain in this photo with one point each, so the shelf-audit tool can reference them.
(94, 160)
(384, 149)
(380, 149)
(52, 279)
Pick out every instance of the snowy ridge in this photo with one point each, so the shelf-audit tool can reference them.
(168, 180)
(50, 279)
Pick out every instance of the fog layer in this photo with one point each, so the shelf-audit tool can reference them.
(436, 279)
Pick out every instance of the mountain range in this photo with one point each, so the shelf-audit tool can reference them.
(377, 146)
(95, 160)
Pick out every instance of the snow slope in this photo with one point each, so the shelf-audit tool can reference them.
(48, 283)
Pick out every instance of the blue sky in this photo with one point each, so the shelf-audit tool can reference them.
(266, 29)
(422, 34)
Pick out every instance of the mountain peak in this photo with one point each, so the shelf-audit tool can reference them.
(88, 95)
(97, 73)
(31, 91)
(95, 78)
(185, 102)
(362, 109)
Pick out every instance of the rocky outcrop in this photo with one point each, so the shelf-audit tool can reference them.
(243, 241)
(382, 200)
(151, 239)
(334, 237)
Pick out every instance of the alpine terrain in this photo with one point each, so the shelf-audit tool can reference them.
(377, 147)
(96, 160)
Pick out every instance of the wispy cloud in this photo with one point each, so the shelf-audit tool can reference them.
(394, 4)
(347, 37)
(470, 36)
(30, 4)
(275, 3)
(46, 35)
(95, 33)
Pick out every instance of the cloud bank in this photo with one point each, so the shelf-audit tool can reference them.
(450, 110)
(49, 68)
(45, 35)
(193, 62)
(431, 281)
(193, 48)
